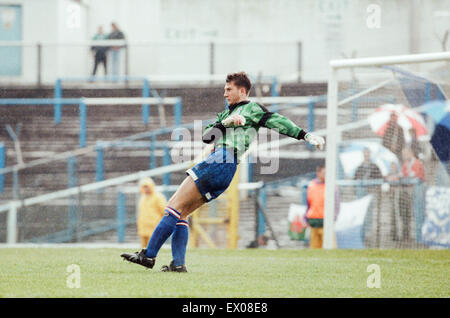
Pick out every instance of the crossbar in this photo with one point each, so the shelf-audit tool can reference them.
(389, 60)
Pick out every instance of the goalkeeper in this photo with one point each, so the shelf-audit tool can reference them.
(231, 136)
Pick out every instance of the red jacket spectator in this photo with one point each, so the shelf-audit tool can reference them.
(412, 167)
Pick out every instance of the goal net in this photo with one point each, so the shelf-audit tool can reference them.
(387, 156)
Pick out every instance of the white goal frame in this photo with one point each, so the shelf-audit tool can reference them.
(332, 128)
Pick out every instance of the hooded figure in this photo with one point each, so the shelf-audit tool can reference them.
(150, 210)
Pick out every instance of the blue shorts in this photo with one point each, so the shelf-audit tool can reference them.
(214, 174)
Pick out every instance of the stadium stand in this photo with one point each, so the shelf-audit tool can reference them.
(40, 137)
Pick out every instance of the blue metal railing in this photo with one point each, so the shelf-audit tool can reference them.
(82, 110)
(146, 92)
(152, 145)
(58, 91)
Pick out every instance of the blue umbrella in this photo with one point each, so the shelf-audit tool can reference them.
(440, 140)
(351, 156)
(435, 109)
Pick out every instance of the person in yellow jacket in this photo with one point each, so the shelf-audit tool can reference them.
(150, 210)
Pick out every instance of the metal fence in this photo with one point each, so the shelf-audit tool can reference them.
(45, 62)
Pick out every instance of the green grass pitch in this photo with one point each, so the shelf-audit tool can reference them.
(221, 273)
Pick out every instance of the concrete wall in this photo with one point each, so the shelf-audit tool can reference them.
(182, 29)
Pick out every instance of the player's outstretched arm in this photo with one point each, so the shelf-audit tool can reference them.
(285, 126)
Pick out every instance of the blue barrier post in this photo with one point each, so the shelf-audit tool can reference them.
(57, 105)
(274, 87)
(274, 91)
(99, 171)
(251, 168)
(178, 110)
(261, 220)
(145, 107)
(83, 119)
(152, 152)
(311, 115)
(72, 182)
(2, 165)
(121, 216)
(304, 196)
(166, 162)
(419, 190)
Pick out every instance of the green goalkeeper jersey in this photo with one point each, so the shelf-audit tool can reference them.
(240, 137)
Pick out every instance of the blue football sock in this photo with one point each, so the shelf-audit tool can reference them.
(162, 231)
(179, 242)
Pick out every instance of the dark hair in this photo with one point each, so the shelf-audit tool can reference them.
(320, 166)
(240, 79)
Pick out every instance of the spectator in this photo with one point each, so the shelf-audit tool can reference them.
(393, 177)
(99, 51)
(394, 174)
(316, 207)
(414, 143)
(412, 196)
(366, 171)
(116, 34)
(394, 138)
(150, 210)
(412, 167)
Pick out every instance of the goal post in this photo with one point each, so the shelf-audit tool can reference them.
(330, 160)
(366, 82)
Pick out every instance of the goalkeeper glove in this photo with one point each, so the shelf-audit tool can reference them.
(235, 119)
(314, 140)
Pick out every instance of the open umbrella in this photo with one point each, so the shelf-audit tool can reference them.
(351, 155)
(440, 140)
(407, 118)
(436, 109)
